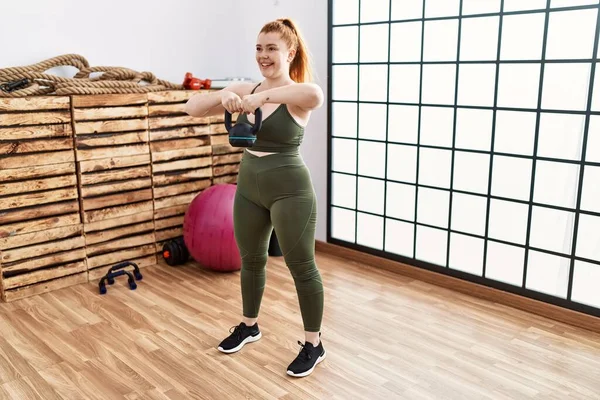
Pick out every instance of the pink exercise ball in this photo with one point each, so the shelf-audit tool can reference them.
(208, 229)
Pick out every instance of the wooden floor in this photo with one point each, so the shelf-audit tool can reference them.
(387, 337)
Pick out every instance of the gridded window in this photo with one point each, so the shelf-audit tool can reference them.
(465, 138)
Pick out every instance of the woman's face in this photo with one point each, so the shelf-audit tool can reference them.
(273, 55)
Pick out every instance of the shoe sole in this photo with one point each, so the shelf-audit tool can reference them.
(306, 373)
(249, 339)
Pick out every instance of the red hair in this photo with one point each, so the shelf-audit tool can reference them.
(300, 70)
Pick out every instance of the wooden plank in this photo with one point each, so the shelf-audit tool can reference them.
(35, 146)
(36, 225)
(234, 158)
(10, 216)
(155, 110)
(120, 244)
(184, 199)
(135, 196)
(106, 152)
(9, 256)
(36, 118)
(47, 235)
(40, 171)
(172, 190)
(169, 222)
(36, 132)
(37, 185)
(181, 176)
(113, 139)
(31, 199)
(35, 103)
(113, 187)
(180, 133)
(94, 114)
(44, 261)
(170, 211)
(104, 100)
(147, 261)
(32, 160)
(229, 169)
(225, 179)
(120, 255)
(116, 212)
(168, 145)
(216, 129)
(219, 139)
(116, 175)
(181, 153)
(168, 234)
(166, 122)
(187, 164)
(220, 149)
(117, 222)
(114, 162)
(43, 275)
(108, 126)
(173, 96)
(44, 287)
(112, 234)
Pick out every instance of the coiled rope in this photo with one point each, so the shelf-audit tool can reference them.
(32, 80)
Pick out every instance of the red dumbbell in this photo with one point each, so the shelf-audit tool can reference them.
(191, 83)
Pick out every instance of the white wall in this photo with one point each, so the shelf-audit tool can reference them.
(210, 38)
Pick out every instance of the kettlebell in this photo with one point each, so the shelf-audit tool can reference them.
(243, 134)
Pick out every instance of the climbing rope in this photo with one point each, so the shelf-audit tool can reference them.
(33, 80)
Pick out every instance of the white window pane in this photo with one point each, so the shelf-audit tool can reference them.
(561, 136)
(343, 155)
(343, 224)
(404, 83)
(548, 274)
(471, 172)
(476, 84)
(515, 132)
(403, 123)
(586, 281)
(343, 119)
(516, 5)
(402, 163)
(566, 86)
(505, 263)
(473, 129)
(571, 3)
(479, 38)
(399, 237)
(433, 207)
(596, 92)
(522, 36)
(406, 41)
(590, 194)
(400, 201)
(588, 237)
(593, 140)
(371, 159)
(374, 10)
(508, 221)
(345, 12)
(372, 121)
(519, 85)
(345, 82)
(470, 7)
(370, 231)
(551, 229)
(373, 83)
(438, 84)
(407, 9)
(437, 126)
(466, 254)
(556, 183)
(511, 177)
(469, 213)
(370, 195)
(343, 190)
(431, 245)
(434, 167)
(441, 8)
(571, 34)
(441, 40)
(374, 43)
(345, 44)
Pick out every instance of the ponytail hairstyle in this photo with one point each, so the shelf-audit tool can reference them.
(300, 68)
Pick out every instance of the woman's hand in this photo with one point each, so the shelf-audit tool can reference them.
(231, 102)
(252, 101)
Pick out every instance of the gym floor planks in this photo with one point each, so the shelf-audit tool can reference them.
(387, 337)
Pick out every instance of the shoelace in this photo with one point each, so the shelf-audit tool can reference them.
(237, 331)
(305, 352)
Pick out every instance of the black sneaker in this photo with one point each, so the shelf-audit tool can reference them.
(307, 359)
(240, 335)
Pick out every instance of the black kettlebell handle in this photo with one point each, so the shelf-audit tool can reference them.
(257, 121)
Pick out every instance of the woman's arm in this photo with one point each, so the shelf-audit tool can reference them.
(208, 104)
(306, 96)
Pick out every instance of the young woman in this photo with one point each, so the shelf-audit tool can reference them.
(274, 187)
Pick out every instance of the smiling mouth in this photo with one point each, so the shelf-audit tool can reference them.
(265, 65)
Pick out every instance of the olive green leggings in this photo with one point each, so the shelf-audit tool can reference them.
(276, 191)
